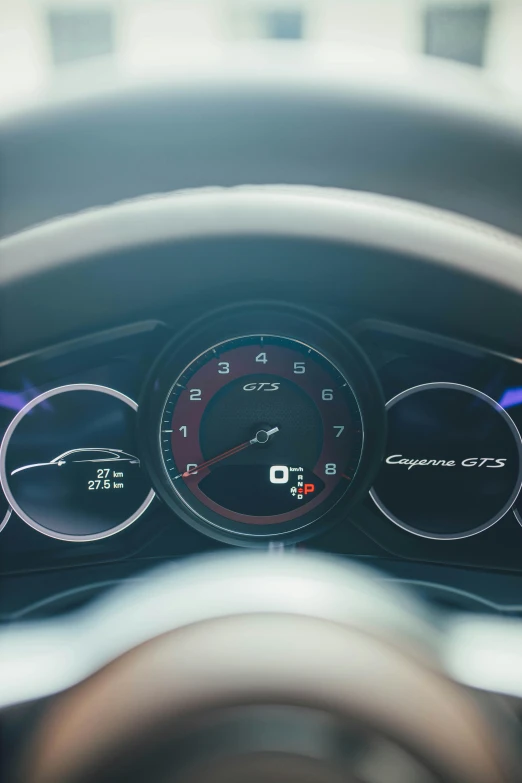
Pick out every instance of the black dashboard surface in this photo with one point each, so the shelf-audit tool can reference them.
(485, 564)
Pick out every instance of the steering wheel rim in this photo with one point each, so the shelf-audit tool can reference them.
(269, 114)
(190, 239)
(338, 644)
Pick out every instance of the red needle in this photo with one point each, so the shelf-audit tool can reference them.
(216, 459)
(261, 437)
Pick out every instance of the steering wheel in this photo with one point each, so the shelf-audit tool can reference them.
(260, 667)
(263, 668)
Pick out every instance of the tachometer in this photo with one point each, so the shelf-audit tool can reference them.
(260, 436)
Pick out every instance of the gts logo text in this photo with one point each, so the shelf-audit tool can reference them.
(268, 387)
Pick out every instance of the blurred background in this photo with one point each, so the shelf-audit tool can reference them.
(42, 40)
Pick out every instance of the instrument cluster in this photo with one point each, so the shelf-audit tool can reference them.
(266, 425)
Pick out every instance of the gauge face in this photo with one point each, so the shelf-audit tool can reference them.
(453, 464)
(260, 435)
(70, 465)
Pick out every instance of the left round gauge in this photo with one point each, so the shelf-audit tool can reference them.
(70, 466)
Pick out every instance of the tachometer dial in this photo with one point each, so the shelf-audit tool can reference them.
(261, 431)
(260, 436)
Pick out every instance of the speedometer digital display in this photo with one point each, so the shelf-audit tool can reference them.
(261, 431)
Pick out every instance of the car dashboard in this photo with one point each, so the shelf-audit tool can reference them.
(313, 428)
(273, 310)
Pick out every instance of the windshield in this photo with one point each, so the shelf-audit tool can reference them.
(44, 42)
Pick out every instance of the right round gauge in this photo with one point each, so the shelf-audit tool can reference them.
(453, 462)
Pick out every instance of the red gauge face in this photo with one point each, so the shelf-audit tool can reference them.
(261, 435)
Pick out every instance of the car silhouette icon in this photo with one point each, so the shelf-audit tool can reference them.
(84, 455)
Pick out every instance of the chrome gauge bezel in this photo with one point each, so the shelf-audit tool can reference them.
(5, 482)
(514, 495)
